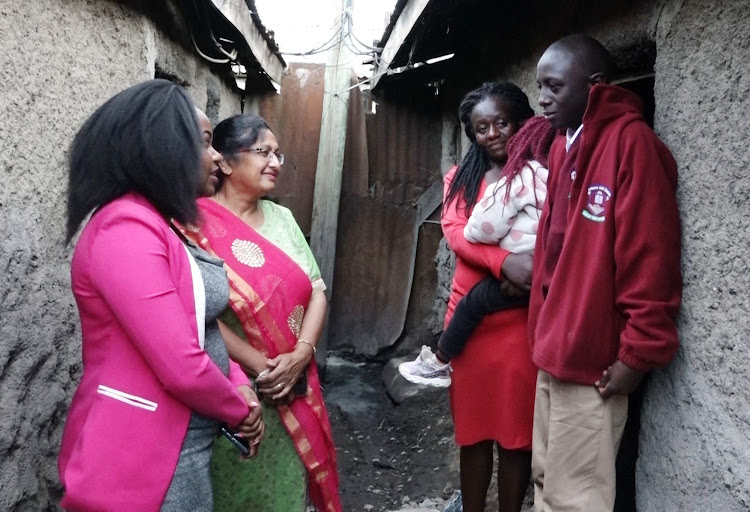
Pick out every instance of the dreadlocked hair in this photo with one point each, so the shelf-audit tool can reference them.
(469, 176)
(531, 142)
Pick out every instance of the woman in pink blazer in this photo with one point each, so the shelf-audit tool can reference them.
(136, 161)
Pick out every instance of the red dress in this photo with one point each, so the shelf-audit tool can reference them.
(492, 393)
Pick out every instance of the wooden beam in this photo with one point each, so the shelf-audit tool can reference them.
(429, 201)
(401, 30)
(327, 191)
(237, 13)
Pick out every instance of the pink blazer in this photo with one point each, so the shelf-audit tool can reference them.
(143, 369)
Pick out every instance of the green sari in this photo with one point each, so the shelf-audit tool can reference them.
(276, 479)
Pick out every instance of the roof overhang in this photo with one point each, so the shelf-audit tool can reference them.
(397, 34)
(239, 15)
(229, 32)
(487, 36)
(430, 40)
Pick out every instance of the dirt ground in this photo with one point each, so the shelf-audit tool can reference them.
(390, 456)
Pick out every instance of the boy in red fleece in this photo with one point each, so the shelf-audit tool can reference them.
(607, 283)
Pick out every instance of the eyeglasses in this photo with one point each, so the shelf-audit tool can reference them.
(265, 153)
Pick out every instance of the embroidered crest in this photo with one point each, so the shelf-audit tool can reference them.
(295, 319)
(599, 196)
(248, 253)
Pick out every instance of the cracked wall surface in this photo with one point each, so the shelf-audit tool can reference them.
(61, 59)
(695, 438)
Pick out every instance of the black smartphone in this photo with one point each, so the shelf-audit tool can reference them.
(300, 387)
(242, 444)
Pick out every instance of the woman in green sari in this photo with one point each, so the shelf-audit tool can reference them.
(276, 316)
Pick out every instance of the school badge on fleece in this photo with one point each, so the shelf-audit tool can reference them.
(599, 196)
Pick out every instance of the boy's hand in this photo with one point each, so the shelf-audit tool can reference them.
(618, 379)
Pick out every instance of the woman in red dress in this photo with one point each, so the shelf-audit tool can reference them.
(493, 380)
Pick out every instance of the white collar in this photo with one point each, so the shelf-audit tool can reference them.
(571, 137)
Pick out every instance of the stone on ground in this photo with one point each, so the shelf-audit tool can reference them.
(400, 389)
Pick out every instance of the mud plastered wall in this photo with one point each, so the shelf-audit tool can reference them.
(695, 438)
(60, 60)
(695, 426)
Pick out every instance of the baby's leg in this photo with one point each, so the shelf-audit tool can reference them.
(484, 298)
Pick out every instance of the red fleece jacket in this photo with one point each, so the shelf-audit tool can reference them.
(616, 288)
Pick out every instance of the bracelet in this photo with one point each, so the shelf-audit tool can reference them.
(315, 351)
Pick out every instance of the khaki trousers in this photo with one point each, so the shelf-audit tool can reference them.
(576, 437)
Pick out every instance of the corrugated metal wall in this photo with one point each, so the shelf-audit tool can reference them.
(384, 269)
(294, 116)
(379, 224)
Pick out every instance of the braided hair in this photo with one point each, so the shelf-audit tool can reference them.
(469, 176)
(531, 142)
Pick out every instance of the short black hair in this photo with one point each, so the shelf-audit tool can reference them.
(590, 54)
(146, 140)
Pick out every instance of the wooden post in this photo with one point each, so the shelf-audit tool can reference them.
(330, 166)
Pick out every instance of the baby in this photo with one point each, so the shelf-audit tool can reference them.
(508, 214)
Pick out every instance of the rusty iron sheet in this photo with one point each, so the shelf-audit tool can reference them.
(379, 226)
(295, 116)
(373, 271)
(404, 146)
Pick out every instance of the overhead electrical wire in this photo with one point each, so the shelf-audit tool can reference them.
(344, 35)
(324, 47)
(209, 59)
